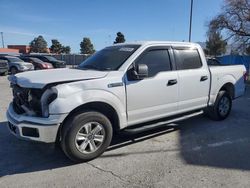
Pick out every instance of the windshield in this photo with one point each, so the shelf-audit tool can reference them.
(110, 58)
(36, 60)
(14, 59)
(50, 58)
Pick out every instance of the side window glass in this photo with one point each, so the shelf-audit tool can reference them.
(187, 59)
(42, 58)
(156, 60)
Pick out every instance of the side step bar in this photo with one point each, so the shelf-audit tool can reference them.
(158, 124)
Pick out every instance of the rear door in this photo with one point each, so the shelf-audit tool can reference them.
(194, 79)
(156, 96)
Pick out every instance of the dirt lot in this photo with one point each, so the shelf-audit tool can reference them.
(194, 153)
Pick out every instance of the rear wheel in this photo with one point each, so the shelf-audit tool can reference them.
(86, 136)
(222, 107)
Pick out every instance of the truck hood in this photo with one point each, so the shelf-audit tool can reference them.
(39, 79)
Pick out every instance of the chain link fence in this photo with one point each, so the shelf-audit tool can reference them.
(71, 59)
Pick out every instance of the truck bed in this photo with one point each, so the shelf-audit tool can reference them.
(227, 73)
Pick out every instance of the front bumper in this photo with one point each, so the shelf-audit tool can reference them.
(3, 70)
(34, 128)
(26, 69)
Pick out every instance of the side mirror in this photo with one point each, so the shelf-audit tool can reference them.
(140, 71)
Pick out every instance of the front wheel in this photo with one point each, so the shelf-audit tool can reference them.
(222, 107)
(13, 70)
(86, 136)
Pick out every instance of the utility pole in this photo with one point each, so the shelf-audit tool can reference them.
(2, 39)
(190, 21)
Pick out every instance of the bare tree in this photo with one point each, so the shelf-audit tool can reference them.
(234, 20)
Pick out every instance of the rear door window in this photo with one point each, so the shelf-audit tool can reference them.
(187, 58)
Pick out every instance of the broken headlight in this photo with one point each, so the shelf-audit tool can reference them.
(48, 96)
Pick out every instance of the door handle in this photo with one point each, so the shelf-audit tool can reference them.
(203, 78)
(172, 82)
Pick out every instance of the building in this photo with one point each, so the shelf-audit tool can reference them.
(8, 51)
(21, 48)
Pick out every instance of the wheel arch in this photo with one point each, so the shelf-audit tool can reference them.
(102, 107)
(13, 66)
(229, 87)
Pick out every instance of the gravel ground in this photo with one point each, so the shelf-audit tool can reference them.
(193, 153)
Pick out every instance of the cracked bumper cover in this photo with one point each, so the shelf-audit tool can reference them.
(39, 129)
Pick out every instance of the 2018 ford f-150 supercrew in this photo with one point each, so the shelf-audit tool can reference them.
(142, 85)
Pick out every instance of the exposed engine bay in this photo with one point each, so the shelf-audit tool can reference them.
(32, 101)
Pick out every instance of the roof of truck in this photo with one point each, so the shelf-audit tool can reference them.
(159, 42)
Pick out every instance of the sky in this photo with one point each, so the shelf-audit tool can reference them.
(100, 20)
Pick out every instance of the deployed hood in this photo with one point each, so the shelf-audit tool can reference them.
(39, 79)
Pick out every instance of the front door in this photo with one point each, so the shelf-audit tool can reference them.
(157, 95)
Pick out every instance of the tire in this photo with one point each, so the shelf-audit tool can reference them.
(4, 73)
(86, 135)
(13, 70)
(221, 108)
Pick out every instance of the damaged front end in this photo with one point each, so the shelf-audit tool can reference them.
(28, 114)
(32, 101)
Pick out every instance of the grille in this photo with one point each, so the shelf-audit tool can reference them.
(20, 97)
(3, 65)
(30, 98)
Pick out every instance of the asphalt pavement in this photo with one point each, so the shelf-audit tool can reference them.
(197, 152)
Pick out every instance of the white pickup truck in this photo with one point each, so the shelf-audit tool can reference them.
(132, 86)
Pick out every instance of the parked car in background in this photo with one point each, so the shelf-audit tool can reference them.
(4, 68)
(37, 63)
(16, 64)
(49, 59)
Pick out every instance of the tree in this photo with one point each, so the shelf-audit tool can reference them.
(86, 46)
(56, 47)
(38, 45)
(215, 45)
(234, 20)
(66, 49)
(119, 38)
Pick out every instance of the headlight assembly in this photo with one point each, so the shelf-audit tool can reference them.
(22, 67)
(48, 96)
